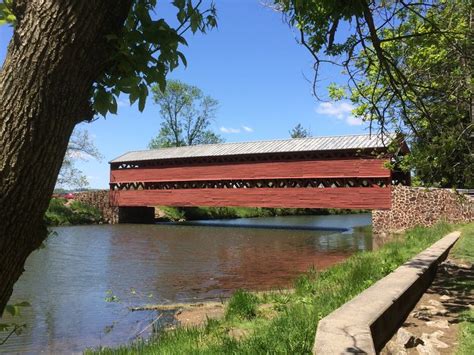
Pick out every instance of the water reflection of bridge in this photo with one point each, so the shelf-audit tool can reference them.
(322, 172)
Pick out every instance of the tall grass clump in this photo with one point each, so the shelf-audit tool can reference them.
(242, 305)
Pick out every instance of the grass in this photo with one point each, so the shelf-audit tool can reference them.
(292, 327)
(60, 213)
(464, 248)
(464, 251)
(466, 334)
(242, 305)
(200, 213)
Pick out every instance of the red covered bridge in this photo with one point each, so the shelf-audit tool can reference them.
(319, 172)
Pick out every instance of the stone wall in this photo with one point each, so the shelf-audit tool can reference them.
(100, 200)
(412, 206)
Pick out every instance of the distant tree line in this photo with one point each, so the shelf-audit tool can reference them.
(300, 132)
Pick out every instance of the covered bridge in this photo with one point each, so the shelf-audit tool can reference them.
(317, 172)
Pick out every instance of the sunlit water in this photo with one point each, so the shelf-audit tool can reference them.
(68, 282)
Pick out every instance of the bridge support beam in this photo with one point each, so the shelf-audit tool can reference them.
(142, 215)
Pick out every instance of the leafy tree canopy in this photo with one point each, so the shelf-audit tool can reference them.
(437, 121)
(144, 53)
(186, 114)
(409, 69)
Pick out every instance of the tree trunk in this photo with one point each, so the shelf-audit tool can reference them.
(56, 53)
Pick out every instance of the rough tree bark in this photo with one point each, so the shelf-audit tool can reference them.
(56, 53)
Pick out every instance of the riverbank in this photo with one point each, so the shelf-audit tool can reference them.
(180, 214)
(62, 212)
(286, 321)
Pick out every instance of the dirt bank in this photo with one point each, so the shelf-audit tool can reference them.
(189, 314)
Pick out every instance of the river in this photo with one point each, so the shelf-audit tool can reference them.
(81, 285)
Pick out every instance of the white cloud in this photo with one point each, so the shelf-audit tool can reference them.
(229, 130)
(336, 109)
(123, 103)
(340, 110)
(246, 129)
(353, 121)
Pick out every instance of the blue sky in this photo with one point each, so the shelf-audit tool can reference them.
(253, 65)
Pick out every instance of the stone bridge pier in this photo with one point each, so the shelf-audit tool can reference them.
(100, 199)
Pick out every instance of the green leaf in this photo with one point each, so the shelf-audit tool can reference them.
(182, 40)
(134, 94)
(142, 97)
(133, 37)
(101, 101)
(336, 92)
(113, 106)
(179, 3)
(152, 33)
(143, 14)
(161, 82)
(195, 22)
(6, 14)
(183, 58)
(181, 16)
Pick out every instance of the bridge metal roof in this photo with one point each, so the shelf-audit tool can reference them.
(350, 142)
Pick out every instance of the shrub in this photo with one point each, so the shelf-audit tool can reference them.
(83, 213)
(59, 213)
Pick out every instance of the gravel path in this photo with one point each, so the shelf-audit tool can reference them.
(432, 326)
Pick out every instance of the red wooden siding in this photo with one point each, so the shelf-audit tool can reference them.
(342, 197)
(361, 168)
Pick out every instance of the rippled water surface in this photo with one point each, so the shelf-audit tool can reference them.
(71, 282)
